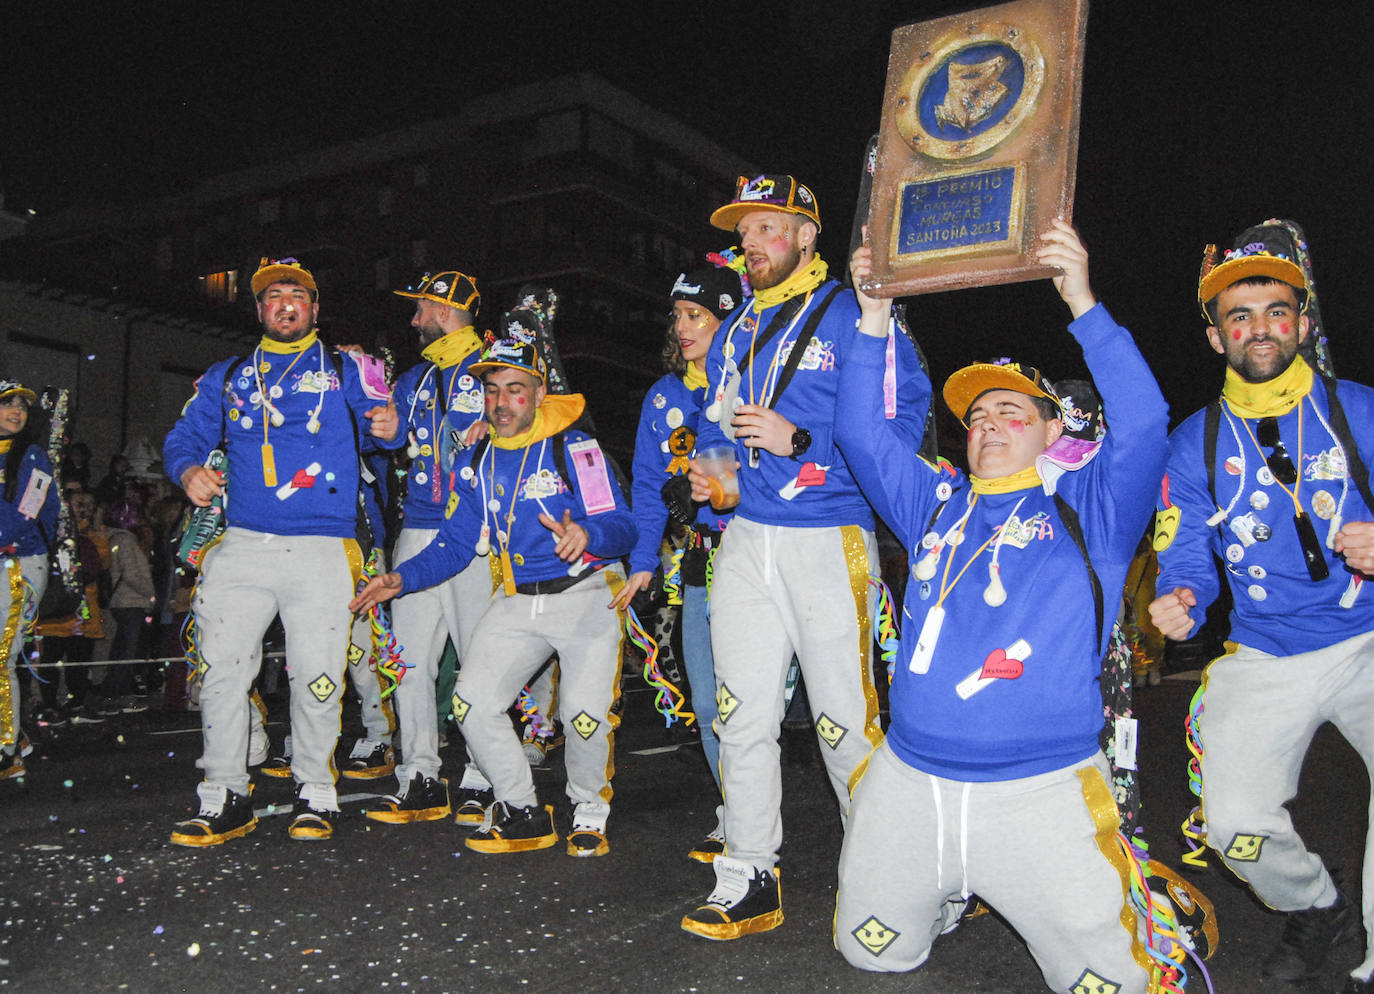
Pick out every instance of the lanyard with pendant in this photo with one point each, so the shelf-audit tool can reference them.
(271, 415)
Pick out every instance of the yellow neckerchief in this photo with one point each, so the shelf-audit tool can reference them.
(557, 412)
(453, 348)
(5, 444)
(694, 379)
(1271, 398)
(802, 280)
(286, 348)
(1027, 477)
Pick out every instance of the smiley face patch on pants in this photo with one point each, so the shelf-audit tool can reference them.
(1245, 848)
(830, 731)
(322, 687)
(584, 724)
(874, 936)
(726, 703)
(1091, 983)
(460, 708)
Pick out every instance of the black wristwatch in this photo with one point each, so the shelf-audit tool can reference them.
(801, 441)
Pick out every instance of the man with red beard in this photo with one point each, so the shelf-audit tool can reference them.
(791, 575)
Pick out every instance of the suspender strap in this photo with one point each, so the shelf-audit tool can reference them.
(1354, 465)
(794, 358)
(1071, 524)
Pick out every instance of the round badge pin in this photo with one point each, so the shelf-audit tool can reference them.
(1257, 572)
(465, 382)
(1235, 552)
(424, 395)
(422, 433)
(674, 417)
(1234, 465)
(1259, 500)
(660, 401)
(1265, 476)
(493, 505)
(1262, 532)
(1324, 505)
(246, 422)
(943, 491)
(466, 473)
(929, 539)
(1256, 592)
(421, 478)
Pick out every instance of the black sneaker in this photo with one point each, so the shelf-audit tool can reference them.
(227, 817)
(279, 767)
(309, 823)
(370, 761)
(422, 799)
(746, 900)
(132, 704)
(11, 766)
(515, 830)
(470, 804)
(1309, 935)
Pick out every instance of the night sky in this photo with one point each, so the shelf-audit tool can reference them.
(1198, 120)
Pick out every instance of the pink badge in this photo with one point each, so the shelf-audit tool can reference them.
(372, 375)
(302, 480)
(811, 475)
(593, 481)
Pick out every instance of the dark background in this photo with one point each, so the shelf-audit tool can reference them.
(1198, 120)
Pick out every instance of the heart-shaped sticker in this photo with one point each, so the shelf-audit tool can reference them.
(999, 666)
(811, 475)
(302, 480)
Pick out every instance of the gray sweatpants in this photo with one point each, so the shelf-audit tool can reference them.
(1260, 713)
(512, 641)
(422, 621)
(246, 580)
(775, 592)
(34, 569)
(917, 845)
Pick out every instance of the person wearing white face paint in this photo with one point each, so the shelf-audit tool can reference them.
(1273, 479)
(668, 426)
(992, 752)
(291, 417)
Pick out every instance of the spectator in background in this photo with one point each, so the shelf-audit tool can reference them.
(72, 639)
(132, 595)
(76, 466)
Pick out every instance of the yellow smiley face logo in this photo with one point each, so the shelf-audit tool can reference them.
(726, 703)
(355, 654)
(1245, 848)
(829, 731)
(584, 724)
(460, 708)
(1091, 983)
(322, 687)
(874, 936)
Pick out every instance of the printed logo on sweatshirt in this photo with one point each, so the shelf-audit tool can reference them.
(585, 725)
(322, 687)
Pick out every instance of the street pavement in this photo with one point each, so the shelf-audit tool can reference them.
(96, 899)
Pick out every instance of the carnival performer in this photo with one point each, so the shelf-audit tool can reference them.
(28, 527)
(988, 740)
(667, 435)
(1272, 479)
(443, 385)
(290, 417)
(539, 498)
(792, 572)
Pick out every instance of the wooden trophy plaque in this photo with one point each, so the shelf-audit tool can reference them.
(978, 146)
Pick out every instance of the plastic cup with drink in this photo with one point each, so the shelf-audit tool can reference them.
(719, 465)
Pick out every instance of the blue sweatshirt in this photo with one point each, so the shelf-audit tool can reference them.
(315, 490)
(817, 489)
(19, 533)
(1044, 711)
(668, 426)
(525, 481)
(424, 394)
(1278, 607)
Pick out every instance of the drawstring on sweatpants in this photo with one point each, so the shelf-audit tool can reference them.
(964, 891)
